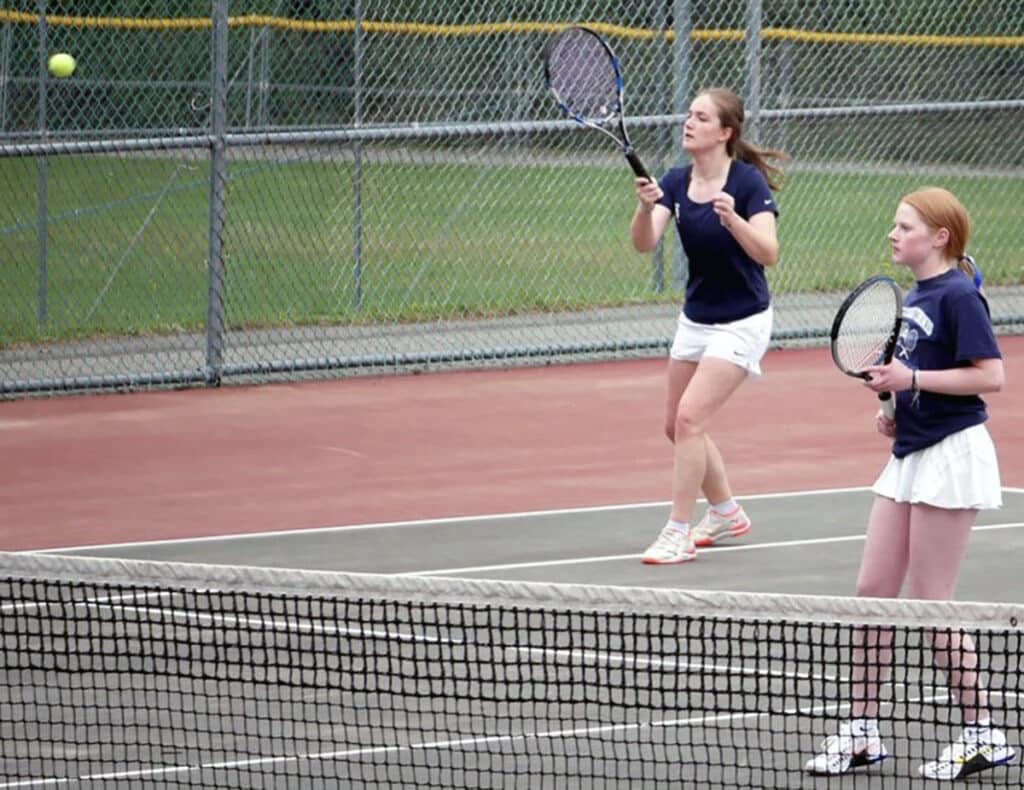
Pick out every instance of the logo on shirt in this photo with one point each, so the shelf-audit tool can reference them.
(918, 316)
(906, 343)
(915, 323)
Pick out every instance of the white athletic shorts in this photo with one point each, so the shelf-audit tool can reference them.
(741, 342)
(960, 472)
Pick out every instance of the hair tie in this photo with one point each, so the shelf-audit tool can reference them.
(978, 278)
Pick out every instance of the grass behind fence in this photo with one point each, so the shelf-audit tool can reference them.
(127, 242)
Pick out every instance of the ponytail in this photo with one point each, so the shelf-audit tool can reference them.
(731, 115)
(969, 266)
(758, 157)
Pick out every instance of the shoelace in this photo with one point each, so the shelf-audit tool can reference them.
(672, 538)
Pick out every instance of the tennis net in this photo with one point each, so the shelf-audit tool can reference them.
(119, 673)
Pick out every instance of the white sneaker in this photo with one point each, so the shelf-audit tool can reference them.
(715, 527)
(857, 744)
(977, 749)
(672, 546)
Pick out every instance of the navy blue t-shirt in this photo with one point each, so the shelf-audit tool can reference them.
(724, 284)
(946, 324)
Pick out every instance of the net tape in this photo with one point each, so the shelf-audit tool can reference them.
(578, 597)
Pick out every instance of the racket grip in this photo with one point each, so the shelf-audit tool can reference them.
(637, 165)
(888, 403)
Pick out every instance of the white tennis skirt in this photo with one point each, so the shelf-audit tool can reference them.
(959, 473)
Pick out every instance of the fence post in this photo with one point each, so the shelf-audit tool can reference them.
(263, 117)
(785, 83)
(250, 63)
(681, 89)
(664, 141)
(5, 73)
(42, 176)
(218, 184)
(752, 100)
(357, 170)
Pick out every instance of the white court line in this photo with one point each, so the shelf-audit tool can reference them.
(721, 549)
(363, 752)
(432, 521)
(449, 520)
(703, 720)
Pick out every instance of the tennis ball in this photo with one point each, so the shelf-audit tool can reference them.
(62, 65)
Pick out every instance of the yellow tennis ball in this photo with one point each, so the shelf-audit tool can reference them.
(62, 65)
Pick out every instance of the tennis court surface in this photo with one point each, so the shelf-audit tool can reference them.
(518, 648)
(146, 665)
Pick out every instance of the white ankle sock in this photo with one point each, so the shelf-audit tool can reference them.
(864, 727)
(725, 508)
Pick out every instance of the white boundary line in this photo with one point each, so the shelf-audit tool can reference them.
(455, 520)
(616, 557)
(432, 521)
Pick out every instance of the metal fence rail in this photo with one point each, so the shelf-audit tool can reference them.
(264, 195)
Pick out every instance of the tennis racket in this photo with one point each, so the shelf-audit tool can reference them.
(865, 331)
(585, 78)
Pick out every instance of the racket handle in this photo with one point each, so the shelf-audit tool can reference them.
(637, 165)
(888, 403)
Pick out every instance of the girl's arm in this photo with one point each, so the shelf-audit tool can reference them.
(650, 218)
(983, 375)
(757, 236)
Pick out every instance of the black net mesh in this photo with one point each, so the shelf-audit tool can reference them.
(328, 680)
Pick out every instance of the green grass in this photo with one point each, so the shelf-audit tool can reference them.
(127, 243)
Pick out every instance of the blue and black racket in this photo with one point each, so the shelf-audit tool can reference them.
(585, 78)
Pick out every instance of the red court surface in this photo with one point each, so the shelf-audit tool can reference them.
(99, 469)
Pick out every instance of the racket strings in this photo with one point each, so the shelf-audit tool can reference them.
(583, 76)
(865, 330)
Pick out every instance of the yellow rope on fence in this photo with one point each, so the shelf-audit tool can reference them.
(495, 28)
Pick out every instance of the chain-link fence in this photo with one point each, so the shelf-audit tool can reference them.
(323, 187)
